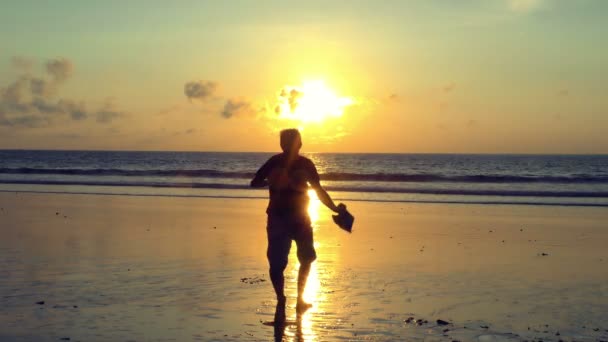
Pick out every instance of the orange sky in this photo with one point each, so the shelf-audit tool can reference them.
(499, 76)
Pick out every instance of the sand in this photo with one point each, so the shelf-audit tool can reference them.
(121, 268)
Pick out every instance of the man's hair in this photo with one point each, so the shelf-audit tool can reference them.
(291, 141)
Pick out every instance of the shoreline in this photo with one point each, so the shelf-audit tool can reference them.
(338, 197)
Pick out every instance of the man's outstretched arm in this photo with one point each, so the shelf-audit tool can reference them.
(315, 182)
(324, 197)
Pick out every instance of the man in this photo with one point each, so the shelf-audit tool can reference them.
(288, 174)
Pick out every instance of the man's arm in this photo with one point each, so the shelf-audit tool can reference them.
(259, 180)
(258, 183)
(315, 183)
(324, 197)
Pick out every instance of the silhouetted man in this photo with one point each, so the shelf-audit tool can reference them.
(288, 174)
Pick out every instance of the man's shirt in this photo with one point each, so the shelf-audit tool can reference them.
(288, 179)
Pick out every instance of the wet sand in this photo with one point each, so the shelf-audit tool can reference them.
(119, 268)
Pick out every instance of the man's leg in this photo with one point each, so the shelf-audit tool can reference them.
(306, 255)
(302, 306)
(279, 244)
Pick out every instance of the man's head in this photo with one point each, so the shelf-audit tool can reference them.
(291, 141)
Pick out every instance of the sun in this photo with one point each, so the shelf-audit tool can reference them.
(312, 102)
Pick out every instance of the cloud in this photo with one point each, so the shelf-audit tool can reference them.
(237, 107)
(29, 101)
(40, 87)
(199, 89)
(30, 121)
(59, 69)
(289, 96)
(525, 5)
(107, 114)
(13, 94)
(76, 111)
(43, 106)
(20, 62)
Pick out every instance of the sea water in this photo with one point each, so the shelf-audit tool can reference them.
(452, 178)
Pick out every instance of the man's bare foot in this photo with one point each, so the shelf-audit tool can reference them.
(302, 306)
(279, 313)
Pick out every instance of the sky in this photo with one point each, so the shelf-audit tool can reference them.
(428, 76)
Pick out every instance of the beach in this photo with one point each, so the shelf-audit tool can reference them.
(153, 268)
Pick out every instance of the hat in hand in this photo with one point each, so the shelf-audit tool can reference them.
(344, 219)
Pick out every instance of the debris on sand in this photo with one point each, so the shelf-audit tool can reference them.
(442, 322)
(418, 322)
(543, 254)
(421, 321)
(252, 280)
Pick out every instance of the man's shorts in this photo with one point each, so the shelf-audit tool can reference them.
(281, 230)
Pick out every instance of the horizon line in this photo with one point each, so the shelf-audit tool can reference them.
(313, 152)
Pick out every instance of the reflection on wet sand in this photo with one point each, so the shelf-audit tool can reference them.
(303, 326)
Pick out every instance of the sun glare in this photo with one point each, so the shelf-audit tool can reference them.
(312, 102)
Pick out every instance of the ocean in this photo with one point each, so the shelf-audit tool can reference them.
(572, 180)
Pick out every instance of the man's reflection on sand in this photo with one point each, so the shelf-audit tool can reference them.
(303, 332)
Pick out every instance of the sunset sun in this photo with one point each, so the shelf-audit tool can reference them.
(312, 102)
